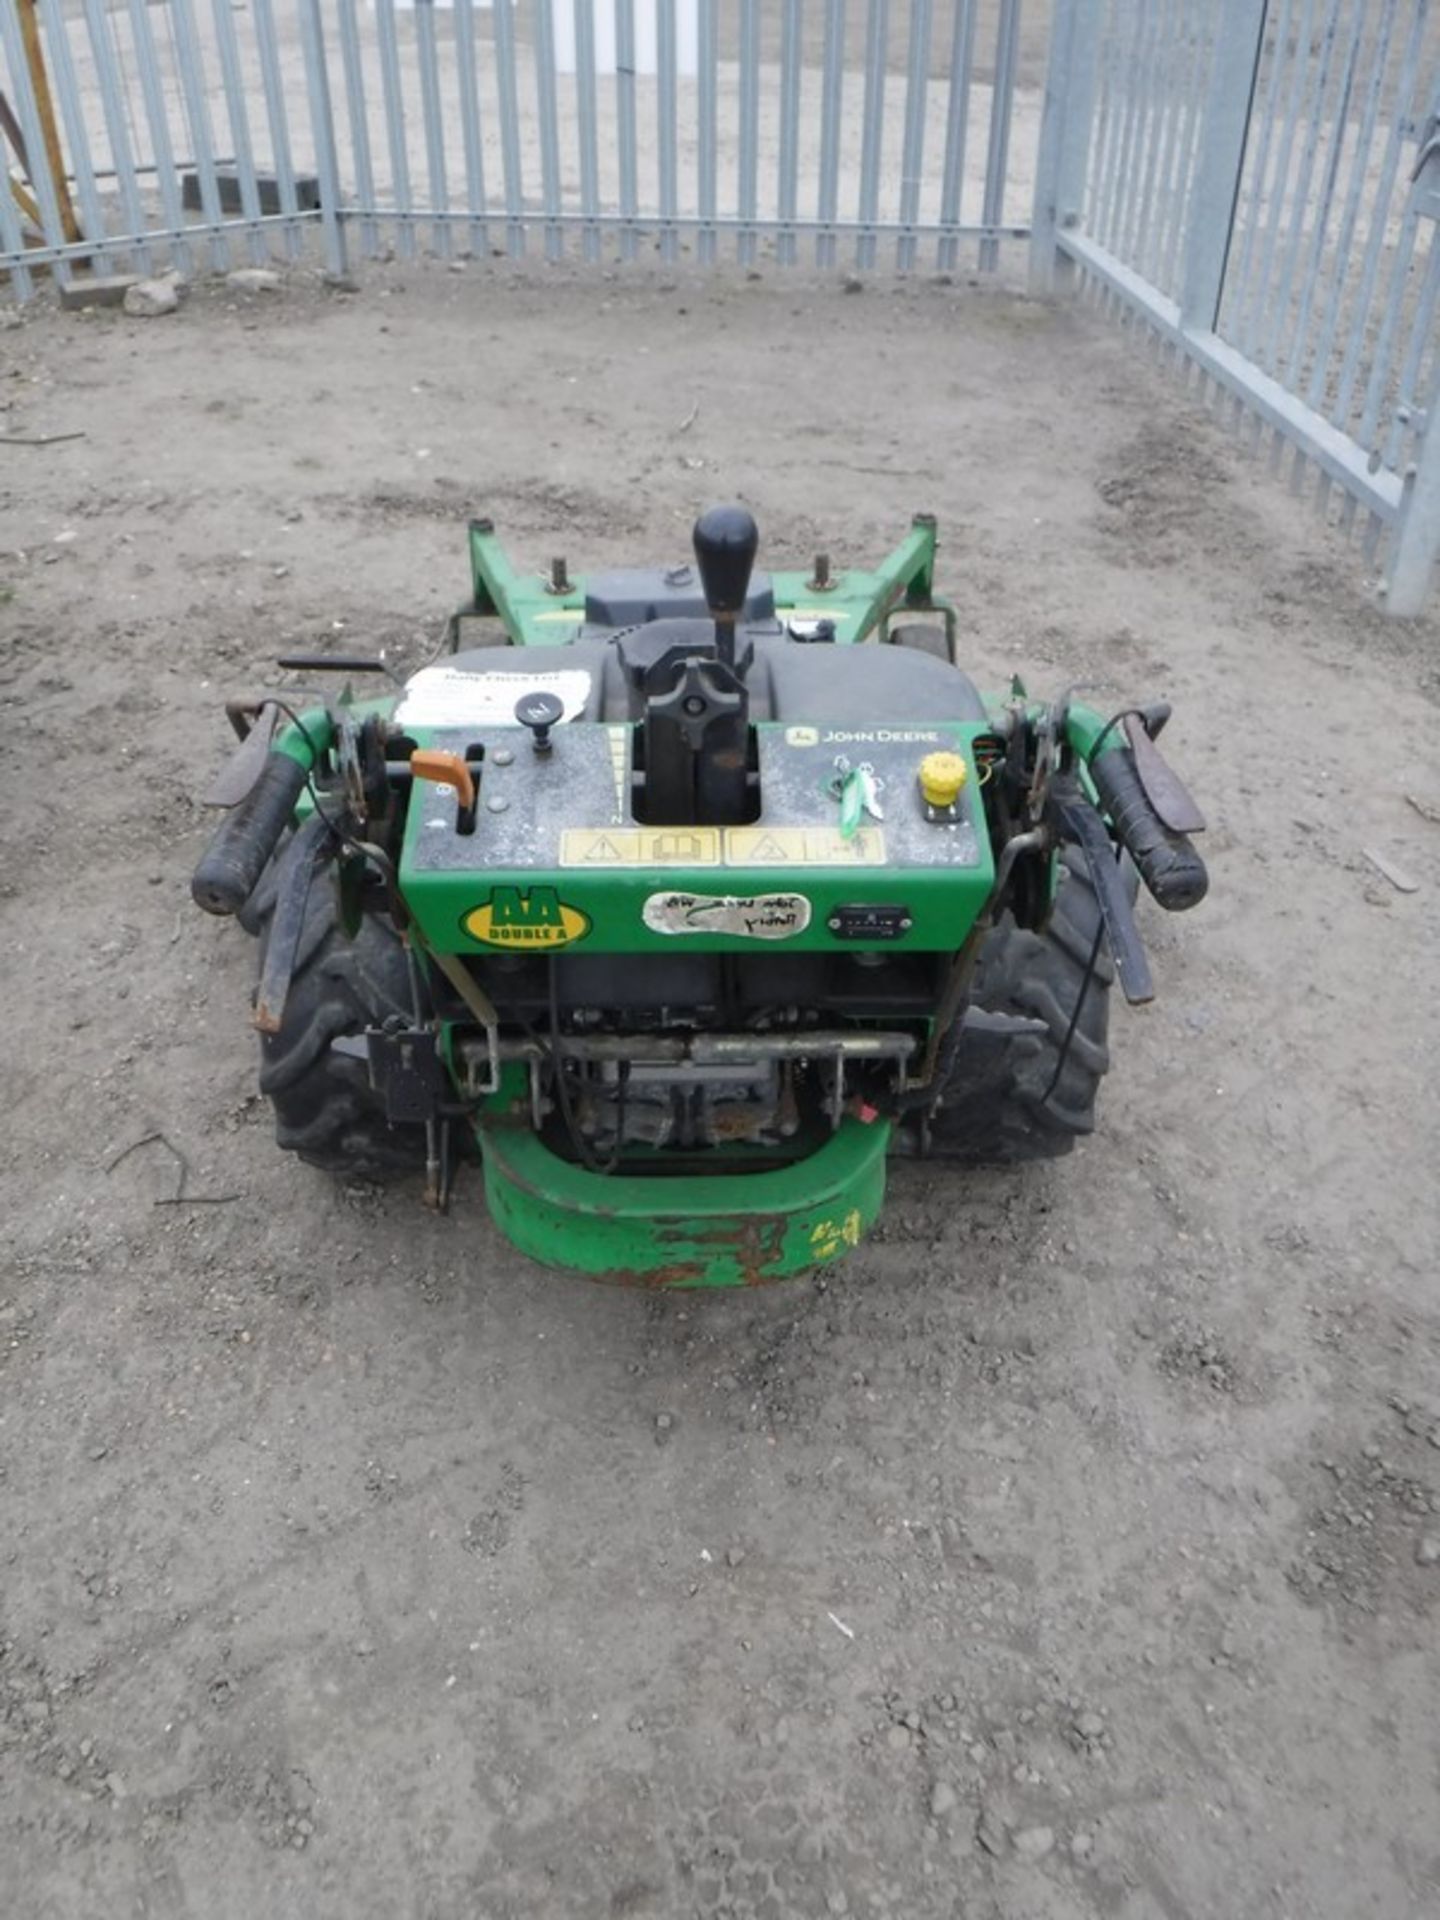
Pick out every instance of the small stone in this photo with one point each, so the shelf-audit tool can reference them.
(911, 1720)
(253, 280)
(943, 1799)
(1033, 1843)
(10, 321)
(837, 1902)
(87, 1748)
(851, 285)
(898, 1738)
(115, 1786)
(990, 1834)
(734, 1556)
(1427, 1550)
(149, 298)
(664, 1427)
(1082, 1845)
(1089, 1726)
(98, 1453)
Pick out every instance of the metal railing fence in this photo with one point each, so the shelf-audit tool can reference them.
(1260, 185)
(872, 132)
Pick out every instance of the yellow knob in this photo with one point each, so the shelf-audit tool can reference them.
(942, 775)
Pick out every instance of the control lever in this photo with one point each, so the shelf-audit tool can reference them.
(539, 712)
(726, 542)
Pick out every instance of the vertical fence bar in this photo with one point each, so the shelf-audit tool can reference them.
(357, 113)
(872, 132)
(116, 131)
(707, 130)
(1186, 157)
(666, 85)
(547, 101)
(1339, 123)
(912, 164)
(471, 132)
(1379, 221)
(787, 198)
(832, 107)
(957, 131)
(1060, 75)
(997, 159)
(625, 126)
(322, 121)
(1280, 303)
(393, 95)
(434, 120)
(749, 159)
(1222, 156)
(1130, 235)
(1359, 167)
(1158, 87)
(72, 111)
(232, 80)
(1109, 182)
(274, 91)
(507, 88)
(12, 244)
(585, 115)
(1260, 287)
(1407, 401)
(27, 112)
(197, 116)
(1264, 107)
(1159, 212)
(153, 95)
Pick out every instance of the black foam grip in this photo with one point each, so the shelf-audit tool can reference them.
(247, 836)
(1172, 870)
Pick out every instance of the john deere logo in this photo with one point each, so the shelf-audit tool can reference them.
(526, 922)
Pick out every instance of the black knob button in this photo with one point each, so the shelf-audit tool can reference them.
(726, 539)
(539, 712)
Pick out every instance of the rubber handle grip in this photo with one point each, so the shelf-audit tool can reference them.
(247, 836)
(1172, 870)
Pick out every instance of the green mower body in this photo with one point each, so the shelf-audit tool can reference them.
(684, 898)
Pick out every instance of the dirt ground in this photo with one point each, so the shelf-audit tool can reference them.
(1072, 1551)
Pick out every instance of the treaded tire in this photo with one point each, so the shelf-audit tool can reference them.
(325, 1108)
(997, 1109)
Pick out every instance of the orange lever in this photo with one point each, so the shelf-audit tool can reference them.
(446, 770)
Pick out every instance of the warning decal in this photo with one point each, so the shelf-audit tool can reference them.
(803, 847)
(640, 847)
(714, 847)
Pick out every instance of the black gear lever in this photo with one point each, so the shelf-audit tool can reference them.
(726, 541)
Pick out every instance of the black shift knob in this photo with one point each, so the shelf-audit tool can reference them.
(539, 712)
(726, 539)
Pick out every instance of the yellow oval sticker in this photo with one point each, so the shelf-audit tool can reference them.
(526, 921)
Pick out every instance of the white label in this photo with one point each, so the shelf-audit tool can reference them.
(451, 697)
(753, 916)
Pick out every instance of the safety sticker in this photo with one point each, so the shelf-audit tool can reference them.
(640, 847)
(526, 921)
(803, 847)
(754, 916)
(451, 697)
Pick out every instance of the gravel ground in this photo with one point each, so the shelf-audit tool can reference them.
(1073, 1550)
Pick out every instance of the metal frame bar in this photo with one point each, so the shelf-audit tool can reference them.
(788, 183)
(546, 100)
(748, 183)
(273, 87)
(471, 125)
(707, 130)
(430, 100)
(912, 163)
(625, 124)
(1002, 100)
(507, 88)
(666, 116)
(357, 113)
(393, 91)
(872, 132)
(586, 114)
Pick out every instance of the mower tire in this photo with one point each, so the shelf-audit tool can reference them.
(998, 1107)
(326, 1111)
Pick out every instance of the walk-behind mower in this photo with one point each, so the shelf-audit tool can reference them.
(686, 896)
